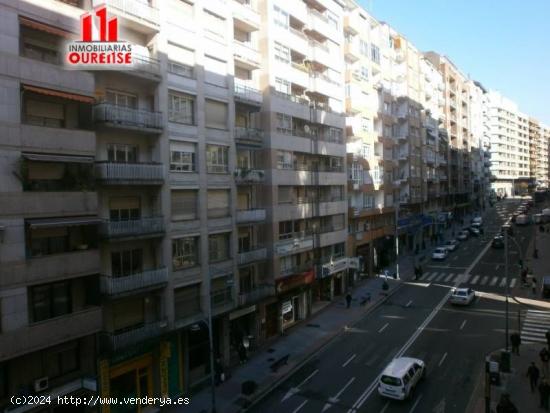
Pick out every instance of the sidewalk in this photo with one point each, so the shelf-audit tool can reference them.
(515, 383)
(302, 342)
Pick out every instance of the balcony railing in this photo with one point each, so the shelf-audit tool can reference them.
(256, 253)
(139, 10)
(244, 176)
(122, 116)
(146, 64)
(119, 285)
(134, 227)
(256, 294)
(119, 340)
(249, 135)
(130, 172)
(296, 269)
(247, 53)
(250, 215)
(247, 93)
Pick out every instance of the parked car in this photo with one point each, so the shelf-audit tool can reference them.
(477, 220)
(498, 242)
(473, 230)
(462, 296)
(463, 235)
(440, 253)
(523, 220)
(451, 245)
(400, 378)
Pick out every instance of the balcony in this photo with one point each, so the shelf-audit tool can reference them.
(249, 136)
(136, 120)
(295, 269)
(319, 23)
(351, 50)
(353, 23)
(115, 173)
(297, 242)
(256, 294)
(245, 93)
(57, 140)
(119, 340)
(245, 216)
(249, 176)
(145, 67)
(138, 15)
(319, 52)
(143, 227)
(245, 17)
(113, 286)
(246, 54)
(256, 253)
(50, 332)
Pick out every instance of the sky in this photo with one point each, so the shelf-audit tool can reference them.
(503, 44)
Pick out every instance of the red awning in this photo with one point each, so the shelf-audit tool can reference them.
(25, 21)
(58, 93)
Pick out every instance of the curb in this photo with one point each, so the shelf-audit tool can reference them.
(264, 392)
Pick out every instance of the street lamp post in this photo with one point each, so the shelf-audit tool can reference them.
(506, 227)
(211, 343)
(397, 241)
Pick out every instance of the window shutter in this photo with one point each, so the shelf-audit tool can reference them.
(187, 301)
(218, 203)
(184, 205)
(128, 313)
(216, 114)
(45, 109)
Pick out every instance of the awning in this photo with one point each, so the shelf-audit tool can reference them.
(58, 93)
(33, 24)
(62, 222)
(57, 158)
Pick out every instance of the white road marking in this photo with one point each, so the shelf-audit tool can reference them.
(502, 282)
(431, 277)
(442, 359)
(451, 275)
(349, 360)
(440, 277)
(424, 276)
(415, 404)
(383, 328)
(455, 258)
(464, 278)
(335, 399)
(409, 304)
(494, 281)
(385, 407)
(296, 389)
(496, 268)
(463, 324)
(484, 280)
(297, 409)
(474, 280)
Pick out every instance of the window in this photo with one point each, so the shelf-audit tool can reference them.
(375, 54)
(356, 173)
(284, 194)
(122, 153)
(280, 17)
(214, 24)
(180, 69)
(363, 47)
(44, 113)
(181, 60)
(124, 99)
(368, 201)
(128, 262)
(282, 53)
(181, 108)
(218, 203)
(185, 252)
(124, 208)
(61, 360)
(184, 204)
(364, 72)
(39, 45)
(367, 150)
(215, 71)
(285, 160)
(332, 19)
(218, 247)
(182, 157)
(217, 159)
(335, 135)
(50, 300)
(215, 114)
(376, 174)
(288, 228)
(365, 124)
(284, 124)
(187, 302)
(282, 86)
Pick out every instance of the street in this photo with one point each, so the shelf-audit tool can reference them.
(417, 321)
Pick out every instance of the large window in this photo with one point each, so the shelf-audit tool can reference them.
(216, 114)
(218, 203)
(284, 124)
(184, 204)
(187, 301)
(126, 262)
(375, 54)
(218, 247)
(185, 252)
(124, 208)
(123, 153)
(181, 108)
(368, 201)
(50, 300)
(217, 159)
(280, 17)
(182, 157)
(364, 47)
(214, 24)
(119, 98)
(282, 53)
(282, 86)
(44, 113)
(285, 160)
(39, 45)
(181, 60)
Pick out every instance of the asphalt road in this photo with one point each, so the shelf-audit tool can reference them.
(416, 321)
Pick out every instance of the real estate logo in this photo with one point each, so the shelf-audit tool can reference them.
(99, 47)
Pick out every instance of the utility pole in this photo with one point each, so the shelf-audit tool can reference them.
(211, 343)
(506, 227)
(396, 241)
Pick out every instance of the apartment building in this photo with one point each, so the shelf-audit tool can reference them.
(543, 175)
(510, 151)
(538, 152)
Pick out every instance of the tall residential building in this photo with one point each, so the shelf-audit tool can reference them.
(543, 152)
(510, 152)
(480, 140)
(538, 152)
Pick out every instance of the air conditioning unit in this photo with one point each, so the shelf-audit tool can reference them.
(41, 384)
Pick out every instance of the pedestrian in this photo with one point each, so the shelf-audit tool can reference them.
(420, 271)
(524, 276)
(242, 354)
(515, 339)
(534, 285)
(547, 335)
(533, 373)
(544, 391)
(544, 359)
(348, 300)
(505, 405)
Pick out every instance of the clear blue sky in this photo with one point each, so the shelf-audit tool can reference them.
(504, 44)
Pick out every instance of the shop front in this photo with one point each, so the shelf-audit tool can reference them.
(243, 330)
(294, 294)
(333, 275)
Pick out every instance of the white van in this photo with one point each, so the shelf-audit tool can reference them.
(400, 377)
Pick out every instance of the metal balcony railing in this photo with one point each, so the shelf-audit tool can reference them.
(256, 294)
(246, 92)
(134, 227)
(140, 10)
(118, 285)
(121, 116)
(255, 253)
(249, 175)
(121, 339)
(146, 64)
(114, 171)
(251, 215)
(248, 135)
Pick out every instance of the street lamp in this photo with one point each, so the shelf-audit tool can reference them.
(396, 241)
(506, 227)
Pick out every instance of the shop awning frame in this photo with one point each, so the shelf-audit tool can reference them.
(59, 93)
(42, 157)
(63, 222)
(43, 27)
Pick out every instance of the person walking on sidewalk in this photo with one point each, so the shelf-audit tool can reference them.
(534, 285)
(544, 391)
(348, 300)
(515, 339)
(533, 373)
(545, 358)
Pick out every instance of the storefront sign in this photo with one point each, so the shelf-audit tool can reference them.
(295, 281)
(355, 263)
(334, 267)
(241, 312)
(287, 307)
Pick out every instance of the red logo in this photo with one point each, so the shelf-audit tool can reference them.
(99, 46)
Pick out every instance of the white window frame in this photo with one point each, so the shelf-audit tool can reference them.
(282, 53)
(181, 108)
(185, 249)
(217, 160)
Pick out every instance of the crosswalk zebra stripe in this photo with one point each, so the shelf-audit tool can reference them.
(502, 282)
(424, 276)
(494, 281)
(484, 280)
(451, 275)
(466, 277)
(512, 283)
(440, 277)
(535, 326)
(474, 280)
(431, 277)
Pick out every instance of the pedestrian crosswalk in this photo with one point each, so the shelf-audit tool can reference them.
(467, 279)
(535, 326)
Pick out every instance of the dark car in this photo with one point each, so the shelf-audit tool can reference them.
(498, 242)
(473, 230)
